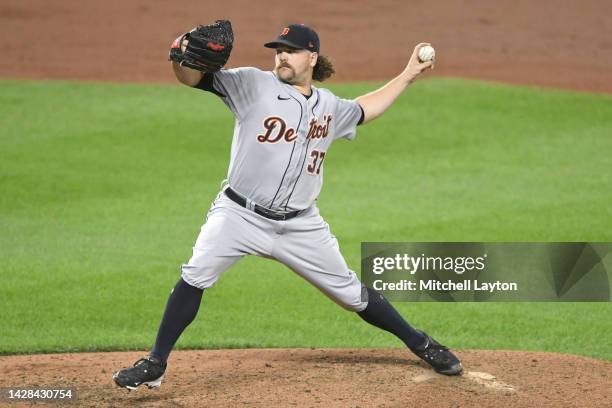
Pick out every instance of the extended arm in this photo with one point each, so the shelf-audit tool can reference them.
(377, 102)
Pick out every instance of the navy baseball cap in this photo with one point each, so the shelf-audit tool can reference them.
(297, 36)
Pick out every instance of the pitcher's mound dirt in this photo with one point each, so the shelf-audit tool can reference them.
(324, 378)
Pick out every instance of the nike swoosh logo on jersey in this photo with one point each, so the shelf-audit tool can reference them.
(280, 98)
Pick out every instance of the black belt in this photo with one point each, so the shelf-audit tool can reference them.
(264, 212)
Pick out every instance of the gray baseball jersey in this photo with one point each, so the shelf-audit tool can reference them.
(280, 142)
(280, 138)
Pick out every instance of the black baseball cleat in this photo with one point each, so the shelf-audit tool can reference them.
(439, 357)
(147, 371)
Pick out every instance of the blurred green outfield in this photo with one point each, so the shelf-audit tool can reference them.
(104, 188)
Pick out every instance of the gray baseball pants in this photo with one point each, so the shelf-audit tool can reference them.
(304, 243)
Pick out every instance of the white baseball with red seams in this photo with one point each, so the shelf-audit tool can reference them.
(427, 53)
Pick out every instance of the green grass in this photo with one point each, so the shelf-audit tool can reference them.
(104, 188)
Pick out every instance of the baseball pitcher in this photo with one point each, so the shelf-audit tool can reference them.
(284, 127)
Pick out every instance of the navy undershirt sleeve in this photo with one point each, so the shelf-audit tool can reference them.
(206, 84)
(362, 116)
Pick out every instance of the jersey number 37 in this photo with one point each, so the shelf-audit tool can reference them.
(317, 157)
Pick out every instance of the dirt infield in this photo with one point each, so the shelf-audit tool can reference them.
(561, 43)
(325, 378)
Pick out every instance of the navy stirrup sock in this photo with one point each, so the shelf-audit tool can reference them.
(181, 309)
(382, 314)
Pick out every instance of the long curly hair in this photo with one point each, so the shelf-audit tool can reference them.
(323, 70)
